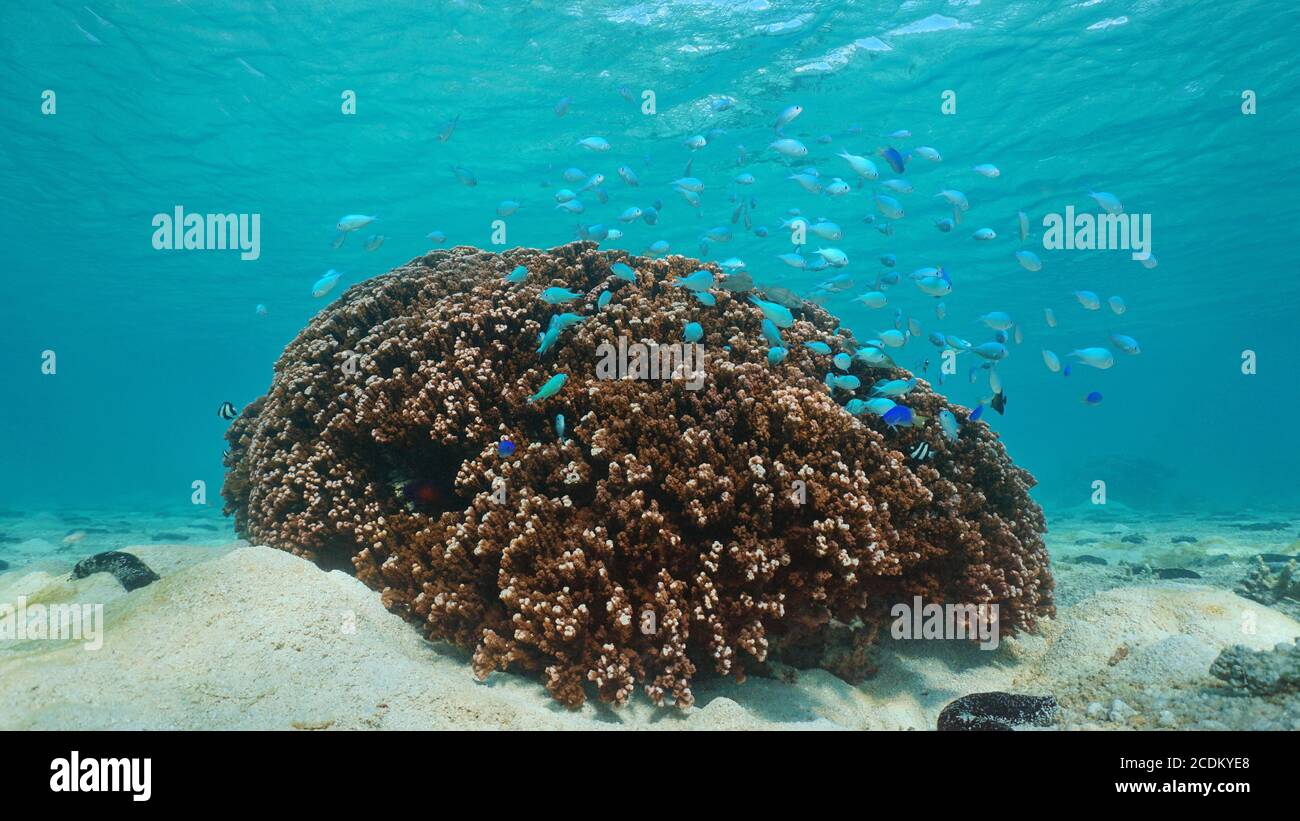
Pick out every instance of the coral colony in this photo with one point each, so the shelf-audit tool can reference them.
(668, 533)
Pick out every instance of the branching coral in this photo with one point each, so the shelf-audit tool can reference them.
(670, 529)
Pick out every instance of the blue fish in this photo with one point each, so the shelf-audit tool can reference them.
(623, 272)
(693, 332)
(1093, 398)
(547, 340)
(991, 350)
(976, 414)
(556, 296)
(701, 280)
(855, 407)
(706, 298)
(605, 297)
(1066, 371)
(776, 355)
(894, 159)
(893, 387)
(551, 388)
(847, 382)
(949, 424)
(519, 274)
(562, 321)
(779, 314)
(559, 426)
(898, 415)
(818, 347)
(505, 447)
(771, 334)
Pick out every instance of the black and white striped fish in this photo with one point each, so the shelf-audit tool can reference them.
(227, 411)
(920, 452)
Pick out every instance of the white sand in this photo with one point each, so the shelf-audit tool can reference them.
(249, 637)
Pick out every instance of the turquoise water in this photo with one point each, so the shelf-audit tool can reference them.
(236, 108)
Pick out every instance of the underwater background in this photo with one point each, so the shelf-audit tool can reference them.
(235, 107)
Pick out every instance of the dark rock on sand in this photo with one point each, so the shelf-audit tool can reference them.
(1134, 538)
(1264, 585)
(127, 569)
(998, 711)
(1260, 672)
(1086, 558)
(4, 565)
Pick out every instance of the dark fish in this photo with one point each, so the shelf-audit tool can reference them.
(227, 411)
(1262, 526)
(784, 296)
(898, 415)
(465, 176)
(424, 495)
(739, 281)
(1176, 573)
(894, 159)
(1275, 558)
(1086, 558)
(1184, 540)
(999, 402)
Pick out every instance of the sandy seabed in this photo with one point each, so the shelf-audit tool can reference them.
(235, 636)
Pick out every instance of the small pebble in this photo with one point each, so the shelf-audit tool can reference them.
(1121, 712)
